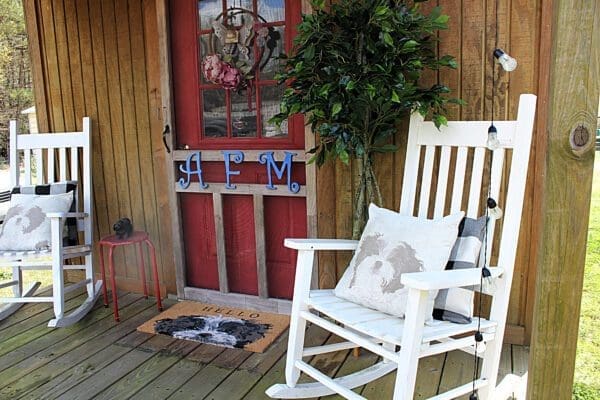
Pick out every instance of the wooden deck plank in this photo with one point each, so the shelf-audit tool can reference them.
(109, 375)
(505, 366)
(30, 329)
(205, 353)
(520, 359)
(86, 368)
(327, 363)
(458, 370)
(176, 376)
(55, 336)
(353, 364)
(30, 309)
(205, 381)
(381, 388)
(315, 337)
(250, 371)
(135, 381)
(55, 359)
(428, 378)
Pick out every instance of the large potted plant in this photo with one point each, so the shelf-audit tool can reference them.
(354, 73)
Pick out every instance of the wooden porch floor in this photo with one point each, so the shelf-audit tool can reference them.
(98, 358)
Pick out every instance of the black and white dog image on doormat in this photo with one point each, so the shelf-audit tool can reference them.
(212, 329)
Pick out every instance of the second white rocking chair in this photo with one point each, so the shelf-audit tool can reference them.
(62, 153)
(382, 333)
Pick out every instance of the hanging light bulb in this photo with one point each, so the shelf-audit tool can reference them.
(488, 283)
(508, 63)
(492, 141)
(494, 211)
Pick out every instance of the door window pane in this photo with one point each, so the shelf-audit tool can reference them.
(215, 113)
(271, 10)
(247, 43)
(271, 100)
(273, 47)
(243, 114)
(208, 11)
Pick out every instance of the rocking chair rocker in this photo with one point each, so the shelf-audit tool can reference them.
(382, 333)
(63, 151)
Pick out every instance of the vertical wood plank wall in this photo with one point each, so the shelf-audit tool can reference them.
(100, 59)
(470, 39)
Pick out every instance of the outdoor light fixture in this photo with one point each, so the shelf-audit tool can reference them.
(493, 210)
(508, 63)
(492, 141)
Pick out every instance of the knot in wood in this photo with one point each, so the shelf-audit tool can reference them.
(580, 138)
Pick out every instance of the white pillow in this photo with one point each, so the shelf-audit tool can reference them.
(391, 245)
(26, 226)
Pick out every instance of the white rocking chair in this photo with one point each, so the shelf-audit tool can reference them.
(381, 333)
(62, 151)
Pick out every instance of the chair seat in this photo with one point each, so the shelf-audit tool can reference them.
(382, 326)
(45, 255)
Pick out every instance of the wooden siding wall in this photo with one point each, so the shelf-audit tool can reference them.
(99, 59)
(470, 38)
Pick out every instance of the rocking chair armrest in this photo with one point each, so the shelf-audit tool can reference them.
(67, 215)
(435, 280)
(320, 244)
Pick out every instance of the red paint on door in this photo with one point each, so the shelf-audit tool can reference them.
(284, 217)
(210, 118)
(200, 243)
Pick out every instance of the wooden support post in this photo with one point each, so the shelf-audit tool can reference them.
(568, 92)
(162, 14)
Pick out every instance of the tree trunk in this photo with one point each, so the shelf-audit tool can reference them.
(367, 191)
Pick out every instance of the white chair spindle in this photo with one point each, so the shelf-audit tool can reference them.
(62, 157)
(27, 166)
(496, 178)
(74, 164)
(475, 187)
(426, 181)
(442, 185)
(459, 179)
(39, 166)
(50, 175)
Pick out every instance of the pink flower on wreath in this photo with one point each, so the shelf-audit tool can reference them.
(217, 71)
(212, 68)
(231, 77)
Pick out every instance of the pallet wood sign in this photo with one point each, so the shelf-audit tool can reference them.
(193, 167)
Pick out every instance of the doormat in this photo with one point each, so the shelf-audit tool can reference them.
(218, 325)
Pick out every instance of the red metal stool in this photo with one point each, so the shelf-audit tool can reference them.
(111, 242)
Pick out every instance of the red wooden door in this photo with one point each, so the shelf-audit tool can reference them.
(250, 193)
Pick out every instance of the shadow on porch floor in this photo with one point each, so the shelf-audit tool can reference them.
(98, 358)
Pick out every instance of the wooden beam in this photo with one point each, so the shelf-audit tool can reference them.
(261, 253)
(220, 239)
(568, 113)
(166, 90)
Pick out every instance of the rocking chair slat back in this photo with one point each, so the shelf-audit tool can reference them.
(56, 149)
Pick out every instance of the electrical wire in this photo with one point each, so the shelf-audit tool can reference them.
(478, 335)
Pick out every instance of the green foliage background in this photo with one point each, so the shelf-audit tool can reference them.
(15, 70)
(587, 363)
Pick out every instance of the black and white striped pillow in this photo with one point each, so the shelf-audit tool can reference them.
(71, 237)
(456, 304)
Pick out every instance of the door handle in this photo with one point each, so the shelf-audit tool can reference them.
(165, 132)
